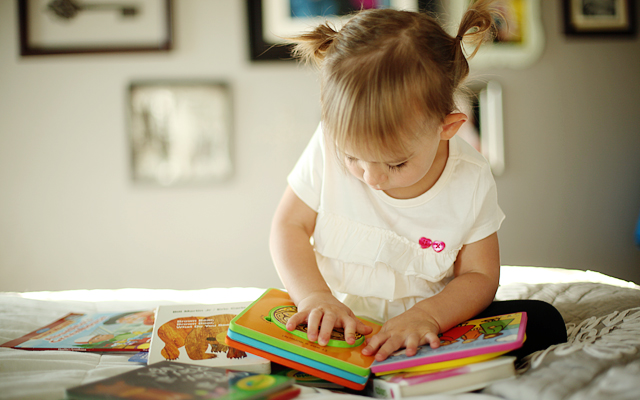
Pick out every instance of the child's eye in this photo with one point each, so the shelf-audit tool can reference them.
(397, 167)
(351, 159)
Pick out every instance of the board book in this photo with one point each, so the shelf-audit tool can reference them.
(173, 380)
(283, 354)
(471, 341)
(255, 323)
(302, 367)
(195, 334)
(449, 381)
(103, 332)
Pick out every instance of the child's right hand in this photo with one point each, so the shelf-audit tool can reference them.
(322, 312)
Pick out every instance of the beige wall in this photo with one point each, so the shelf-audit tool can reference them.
(71, 218)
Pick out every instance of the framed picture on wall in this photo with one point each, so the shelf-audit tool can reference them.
(599, 17)
(272, 20)
(180, 132)
(94, 26)
(520, 37)
(484, 128)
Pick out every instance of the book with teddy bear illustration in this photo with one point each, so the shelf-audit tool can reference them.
(195, 334)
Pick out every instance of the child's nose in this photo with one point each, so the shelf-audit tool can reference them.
(374, 175)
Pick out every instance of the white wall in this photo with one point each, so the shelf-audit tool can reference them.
(71, 218)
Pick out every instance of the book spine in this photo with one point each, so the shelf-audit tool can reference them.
(386, 390)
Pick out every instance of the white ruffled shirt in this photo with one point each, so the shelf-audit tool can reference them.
(368, 245)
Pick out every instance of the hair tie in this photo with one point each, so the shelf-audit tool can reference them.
(459, 37)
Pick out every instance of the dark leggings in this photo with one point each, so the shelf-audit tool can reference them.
(545, 325)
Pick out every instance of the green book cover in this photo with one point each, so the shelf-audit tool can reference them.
(173, 380)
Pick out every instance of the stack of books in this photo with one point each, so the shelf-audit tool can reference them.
(260, 330)
(470, 357)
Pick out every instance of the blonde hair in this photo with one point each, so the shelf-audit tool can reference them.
(389, 75)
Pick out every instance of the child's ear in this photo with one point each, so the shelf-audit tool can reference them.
(451, 124)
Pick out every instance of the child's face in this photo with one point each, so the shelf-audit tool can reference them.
(399, 176)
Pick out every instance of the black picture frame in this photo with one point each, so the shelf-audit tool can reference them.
(36, 17)
(261, 50)
(612, 18)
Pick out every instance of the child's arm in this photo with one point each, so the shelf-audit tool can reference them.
(295, 261)
(477, 273)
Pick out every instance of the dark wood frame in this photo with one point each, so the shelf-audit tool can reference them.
(263, 51)
(572, 30)
(26, 49)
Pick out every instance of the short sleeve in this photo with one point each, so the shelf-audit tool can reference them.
(487, 212)
(306, 177)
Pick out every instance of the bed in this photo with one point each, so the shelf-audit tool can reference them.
(601, 360)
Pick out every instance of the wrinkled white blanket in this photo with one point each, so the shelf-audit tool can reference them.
(601, 360)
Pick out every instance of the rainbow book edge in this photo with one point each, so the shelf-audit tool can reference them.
(467, 341)
(299, 366)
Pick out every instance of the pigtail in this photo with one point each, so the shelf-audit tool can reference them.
(312, 46)
(478, 26)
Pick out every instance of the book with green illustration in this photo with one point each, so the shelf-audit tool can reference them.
(260, 329)
(174, 380)
(255, 322)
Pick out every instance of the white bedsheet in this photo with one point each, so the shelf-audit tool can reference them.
(571, 373)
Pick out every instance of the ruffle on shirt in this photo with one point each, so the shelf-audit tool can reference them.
(369, 261)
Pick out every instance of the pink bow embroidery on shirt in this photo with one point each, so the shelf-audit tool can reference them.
(436, 245)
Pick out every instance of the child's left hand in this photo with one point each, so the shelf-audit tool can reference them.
(410, 329)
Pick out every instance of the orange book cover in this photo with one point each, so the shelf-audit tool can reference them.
(254, 322)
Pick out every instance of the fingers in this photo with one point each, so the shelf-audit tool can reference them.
(313, 323)
(350, 331)
(386, 343)
(363, 329)
(328, 322)
(433, 340)
(321, 322)
(383, 345)
(412, 343)
(374, 343)
(296, 320)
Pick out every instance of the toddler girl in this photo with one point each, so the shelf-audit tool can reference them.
(388, 214)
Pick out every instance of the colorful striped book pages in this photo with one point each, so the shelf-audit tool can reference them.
(449, 381)
(307, 368)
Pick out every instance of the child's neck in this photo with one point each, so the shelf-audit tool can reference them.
(429, 179)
